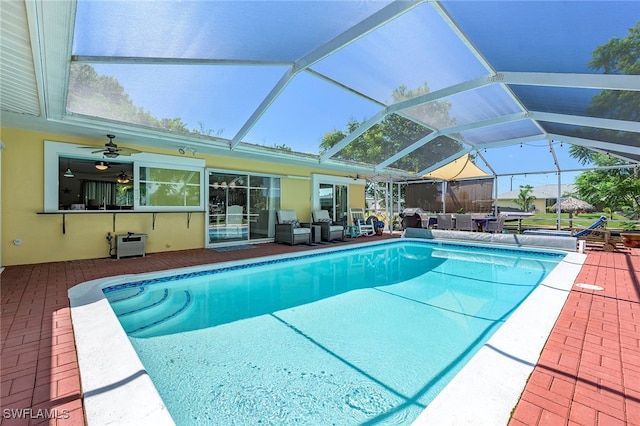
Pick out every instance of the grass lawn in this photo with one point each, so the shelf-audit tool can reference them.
(583, 220)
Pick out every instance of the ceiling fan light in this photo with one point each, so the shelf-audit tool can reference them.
(123, 178)
(102, 165)
(68, 173)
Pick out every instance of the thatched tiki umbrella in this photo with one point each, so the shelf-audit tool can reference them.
(570, 205)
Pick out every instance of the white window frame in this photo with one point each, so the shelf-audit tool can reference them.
(54, 150)
(136, 186)
(317, 179)
(248, 174)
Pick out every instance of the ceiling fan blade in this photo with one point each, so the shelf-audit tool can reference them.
(111, 150)
(128, 151)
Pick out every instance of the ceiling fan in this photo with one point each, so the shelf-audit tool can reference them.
(111, 150)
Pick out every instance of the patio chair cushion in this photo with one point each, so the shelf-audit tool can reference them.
(294, 222)
(321, 216)
(288, 216)
(297, 231)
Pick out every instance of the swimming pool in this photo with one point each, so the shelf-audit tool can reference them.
(367, 347)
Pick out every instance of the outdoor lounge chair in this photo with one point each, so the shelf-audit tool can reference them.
(328, 230)
(597, 234)
(594, 234)
(582, 233)
(445, 221)
(600, 223)
(289, 230)
(495, 226)
(464, 222)
(362, 226)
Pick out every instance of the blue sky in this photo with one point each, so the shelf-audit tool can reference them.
(415, 48)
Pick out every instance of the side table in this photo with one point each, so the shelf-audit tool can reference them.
(351, 231)
(316, 231)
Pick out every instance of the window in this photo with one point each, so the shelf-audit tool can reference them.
(93, 185)
(78, 180)
(163, 187)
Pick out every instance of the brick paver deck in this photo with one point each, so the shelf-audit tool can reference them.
(588, 374)
(589, 370)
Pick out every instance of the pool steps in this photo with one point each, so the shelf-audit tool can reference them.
(164, 296)
(161, 307)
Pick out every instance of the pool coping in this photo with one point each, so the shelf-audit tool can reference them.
(127, 395)
(479, 396)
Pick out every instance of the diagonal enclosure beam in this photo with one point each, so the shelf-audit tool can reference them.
(607, 81)
(584, 81)
(409, 103)
(378, 19)
(353, 135)
(597, 144)
(443, 93)
(604, 123)
(449, 130)
(431, 136)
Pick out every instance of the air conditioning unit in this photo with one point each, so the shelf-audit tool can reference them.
(130, 245)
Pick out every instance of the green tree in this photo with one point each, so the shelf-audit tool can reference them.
(613, 189)
(103, 96)
(525, 197)
(617, 56)
(395, 132)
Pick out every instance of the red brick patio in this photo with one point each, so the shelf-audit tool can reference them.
(588, 374)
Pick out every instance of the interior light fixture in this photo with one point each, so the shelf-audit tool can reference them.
(123, 178)
(102, 165)
(68, 173)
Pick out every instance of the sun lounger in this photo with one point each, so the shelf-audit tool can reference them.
(594, 234)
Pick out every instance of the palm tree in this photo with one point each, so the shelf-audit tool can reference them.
(525, 198)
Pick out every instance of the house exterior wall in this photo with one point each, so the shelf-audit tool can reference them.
(296, 195)
(42, 240)
(540, 204)
(356, 196)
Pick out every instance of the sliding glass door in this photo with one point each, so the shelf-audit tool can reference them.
(241, 207)
(334, 199)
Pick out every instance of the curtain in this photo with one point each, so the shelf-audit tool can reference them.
(470, 196)
(98, 193)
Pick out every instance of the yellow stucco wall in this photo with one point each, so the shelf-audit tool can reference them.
(298, 197)
(356, 196)
(42, 240)
(539, 203)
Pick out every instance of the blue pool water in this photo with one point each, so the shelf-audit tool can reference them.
(366, 334)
